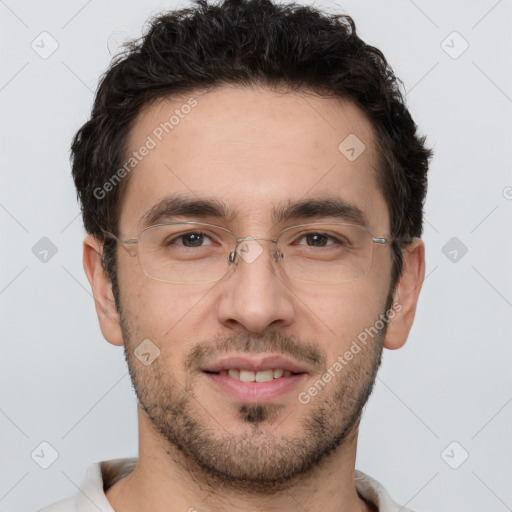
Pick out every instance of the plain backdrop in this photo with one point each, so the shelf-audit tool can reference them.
(437, 429)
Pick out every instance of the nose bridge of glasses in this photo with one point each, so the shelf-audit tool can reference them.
(249, 249)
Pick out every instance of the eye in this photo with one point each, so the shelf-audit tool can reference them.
(320, 240)
(190, 239)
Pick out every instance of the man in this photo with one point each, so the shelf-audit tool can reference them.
(252, 186)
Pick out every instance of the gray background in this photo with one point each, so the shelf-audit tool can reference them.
(63, 384)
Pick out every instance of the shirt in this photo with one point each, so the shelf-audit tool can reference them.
(101, 475)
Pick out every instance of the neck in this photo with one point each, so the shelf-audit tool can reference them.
(165, 480)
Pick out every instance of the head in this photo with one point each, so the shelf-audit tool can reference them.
(248, 104)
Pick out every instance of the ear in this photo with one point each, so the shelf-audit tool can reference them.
(406, 294)
(102, 291)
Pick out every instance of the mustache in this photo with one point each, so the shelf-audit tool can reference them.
(272, 342)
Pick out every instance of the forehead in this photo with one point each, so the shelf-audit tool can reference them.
(253, 150)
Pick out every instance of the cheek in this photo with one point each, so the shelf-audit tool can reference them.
(162, 311)
(342, 312)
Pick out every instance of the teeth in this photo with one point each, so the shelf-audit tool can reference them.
(261, 376)
(264, 375)
(234, 374)
(246, 376)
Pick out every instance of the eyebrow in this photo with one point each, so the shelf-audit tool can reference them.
(169, 208)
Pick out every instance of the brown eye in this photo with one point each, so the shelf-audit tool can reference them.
(317, 240)
(320, 240)
(190, 239)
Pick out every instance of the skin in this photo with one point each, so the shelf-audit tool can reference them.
(251, 148)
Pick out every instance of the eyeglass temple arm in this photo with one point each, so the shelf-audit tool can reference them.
(122, 240)
(127, 242)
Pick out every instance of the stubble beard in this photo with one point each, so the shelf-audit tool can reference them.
(259, 459)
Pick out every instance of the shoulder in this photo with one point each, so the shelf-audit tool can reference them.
(65, 505)
(374, 492)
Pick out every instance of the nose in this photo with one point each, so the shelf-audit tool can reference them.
(255, 294)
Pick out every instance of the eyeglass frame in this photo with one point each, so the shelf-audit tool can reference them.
(232, 255)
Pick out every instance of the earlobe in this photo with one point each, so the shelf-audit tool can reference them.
(101, 286)
(406, 295)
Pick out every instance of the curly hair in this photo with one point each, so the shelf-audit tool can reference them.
(247, 42)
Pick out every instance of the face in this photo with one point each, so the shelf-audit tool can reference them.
(253, 149)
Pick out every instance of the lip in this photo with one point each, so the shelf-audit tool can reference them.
(255, 392)
(255, 363)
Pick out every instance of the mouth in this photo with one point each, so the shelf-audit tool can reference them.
(258, 376)
(255, 380)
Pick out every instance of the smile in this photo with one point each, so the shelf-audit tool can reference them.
(259, 376)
